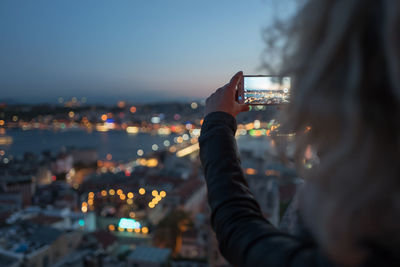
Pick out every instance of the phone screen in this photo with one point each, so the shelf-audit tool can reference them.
(266, 90)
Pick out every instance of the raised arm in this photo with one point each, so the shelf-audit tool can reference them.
(245, 237)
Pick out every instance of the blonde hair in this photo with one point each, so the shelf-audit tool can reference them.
(344, 56)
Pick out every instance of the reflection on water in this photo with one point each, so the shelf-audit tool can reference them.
(6, 140)
(121, 145)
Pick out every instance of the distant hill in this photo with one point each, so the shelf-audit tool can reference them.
(9, 101)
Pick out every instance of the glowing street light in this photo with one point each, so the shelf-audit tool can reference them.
(194, 105)
(140, 152)
(142, 191)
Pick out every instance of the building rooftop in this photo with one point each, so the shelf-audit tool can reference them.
(150, 254)
(44, 235)
(26, 238)
(45, 220)
(8, 261)
(17, 179)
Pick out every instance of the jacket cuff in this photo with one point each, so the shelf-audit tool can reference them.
(219, 118)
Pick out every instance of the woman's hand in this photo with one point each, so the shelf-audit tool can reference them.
(223, 99)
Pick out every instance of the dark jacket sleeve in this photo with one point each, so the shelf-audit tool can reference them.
(245, 237)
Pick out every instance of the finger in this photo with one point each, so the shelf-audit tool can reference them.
(234, 82)
(236, 78)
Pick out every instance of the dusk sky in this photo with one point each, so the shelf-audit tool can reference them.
(141, 51)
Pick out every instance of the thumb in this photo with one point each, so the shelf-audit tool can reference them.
(234, 82)
(235, 79)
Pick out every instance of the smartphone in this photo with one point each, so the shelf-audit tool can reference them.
(264, 90)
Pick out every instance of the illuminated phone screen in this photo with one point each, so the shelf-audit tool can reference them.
(266, 90)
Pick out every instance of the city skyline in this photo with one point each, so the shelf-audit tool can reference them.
(139, 52)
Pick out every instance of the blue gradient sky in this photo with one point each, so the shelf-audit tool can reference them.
(142, 51)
